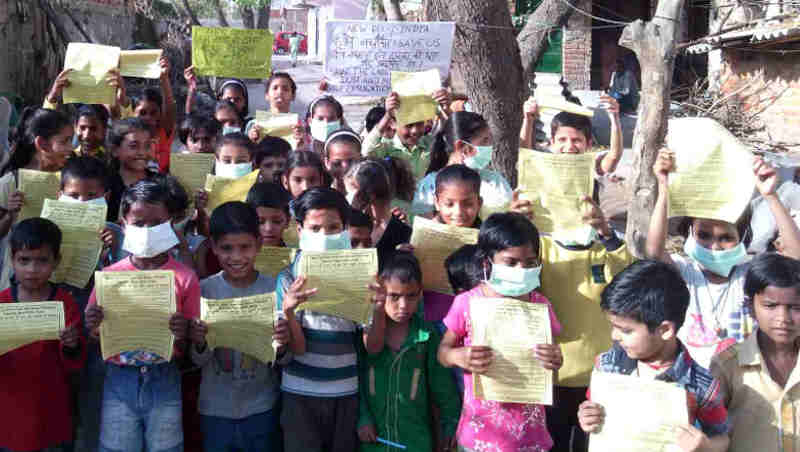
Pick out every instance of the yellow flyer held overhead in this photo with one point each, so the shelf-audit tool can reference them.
(37, 186)
(191, 169)
(88, 81)
(28, 322)
(713, 175)
(272, 259)
(512, 328)
(222, 189)
(279, 125)
(555, 185)
(140, 63)
(80, 225)
(642, 415)
(243, 324)
(433, 242)
(137, 306)
(232, 52)
(415, 90)
(341, 278)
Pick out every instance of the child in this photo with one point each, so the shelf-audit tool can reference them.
(325, 115)
(464, 139)
(130, 141)
(360, 230)
(758, 377)
(646, 304)
(304, 170)
(234, 156)
(91, 127)
(715, 266)
(199, 134)
(225, 113)
(409, 141)
(340, 151)
(271, 202)
(238, 394)
(35, 377)
(370, 190)
(235, 91)
(463, 269)
(43, 142)
(402, 179)
(401, 369)
(280, 93)
(508, 248)
(270, 158)
(374, 116)
(142, 394)
(572, 134)
(318, 416)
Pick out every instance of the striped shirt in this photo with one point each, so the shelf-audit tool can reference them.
(329, 367)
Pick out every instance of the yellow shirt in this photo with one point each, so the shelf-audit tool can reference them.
(573, 280)
(764, 417)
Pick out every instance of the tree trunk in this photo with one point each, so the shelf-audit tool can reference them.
(248, 18)
(533, 38)
(375, 11)
(654, 45)
(488, 58)
(262, 22)
(223, 21)
(190, 12)
(392, 8)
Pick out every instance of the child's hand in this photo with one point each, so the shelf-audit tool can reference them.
(549, 355)
(475, 359)
(521, 206)
(595, 218)
(407, 247)
(591, 416)
(392, 104)
(280, 333)
(442, 97)
(400, 214)
(61, 82)
(767, 178)
(299, 133)
(16, 201)
(610, 105)
(665, 164)
(322, 86)
(530, 108)
(70, 337)
(198, 330)
(378, 296)
(191, 78)
(179, 325)
(367, 434)
(296, 295)
(108, 238)
(690, 439)
(201, 199)
(94, 316)
(255, 133)
(163, 63)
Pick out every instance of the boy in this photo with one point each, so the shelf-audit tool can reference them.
(271, 202)
(646, 305)
(35, 377)
(398, 392)
(129, 419)
(320, 388)
(238, 394)
(270, 158)
(360, 229)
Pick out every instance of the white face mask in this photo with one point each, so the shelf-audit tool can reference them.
(100, 201)
(319, 241)
(232, 170)
(350, 196)
(149, 241)
(320, 129)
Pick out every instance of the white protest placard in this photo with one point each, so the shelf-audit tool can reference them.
(361, 55)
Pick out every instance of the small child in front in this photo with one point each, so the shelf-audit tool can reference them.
(34, 378)
(646, 304)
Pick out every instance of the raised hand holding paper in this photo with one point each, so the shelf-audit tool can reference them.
(415, 90)
(140, 63)
(90, 64)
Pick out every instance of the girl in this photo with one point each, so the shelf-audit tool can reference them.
(131, 150)
(225, 112)
(157, 110)
(341, 150)
(715, 266)
(233, 156)
(43, 142)
(370, 190)
(232, 90)
(508, 248)
(304, 170)
(465, 139)
(90, 128)
(280, 92)
(759, 375)
(199, 133)
(325, 116)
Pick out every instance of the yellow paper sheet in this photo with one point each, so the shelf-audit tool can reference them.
(433, 242)
(555, 184)
(88, 82)
(222, 189)
(191, 169)
(140, 63)
(243, 324)
(290, 237)
(641, 414)
(512, 328)
(415, 89)
(232, 52)
(80, 225)
(279, 125)
(28, 322)
(137, 306)
(272, 259)
(713, 175)
(37, 186)
(341, 278)
(559, 104)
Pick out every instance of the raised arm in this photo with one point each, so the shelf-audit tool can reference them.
(526, 133)
(609, 163)
(657, 233)
(169, 112)
(767, 182)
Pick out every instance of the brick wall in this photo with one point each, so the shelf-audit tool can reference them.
(577, 48)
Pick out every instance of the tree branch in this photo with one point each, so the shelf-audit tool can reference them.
(533, 39)
(191, 13)
(53, 19)
(77, 24)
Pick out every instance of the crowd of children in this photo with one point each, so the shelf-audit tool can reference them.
(711, 320)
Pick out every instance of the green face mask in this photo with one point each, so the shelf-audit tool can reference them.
(482, 157)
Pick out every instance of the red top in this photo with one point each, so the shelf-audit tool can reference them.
(34, 387)
(162, 147)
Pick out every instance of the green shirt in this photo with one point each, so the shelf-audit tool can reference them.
(397, 390)
(417, 157)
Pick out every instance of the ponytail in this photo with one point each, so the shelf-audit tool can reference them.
(34, 122)
(461, 125)
(401, 177)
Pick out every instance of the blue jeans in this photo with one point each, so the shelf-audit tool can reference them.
(256, 433)
(141, 409)
(90, 400)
